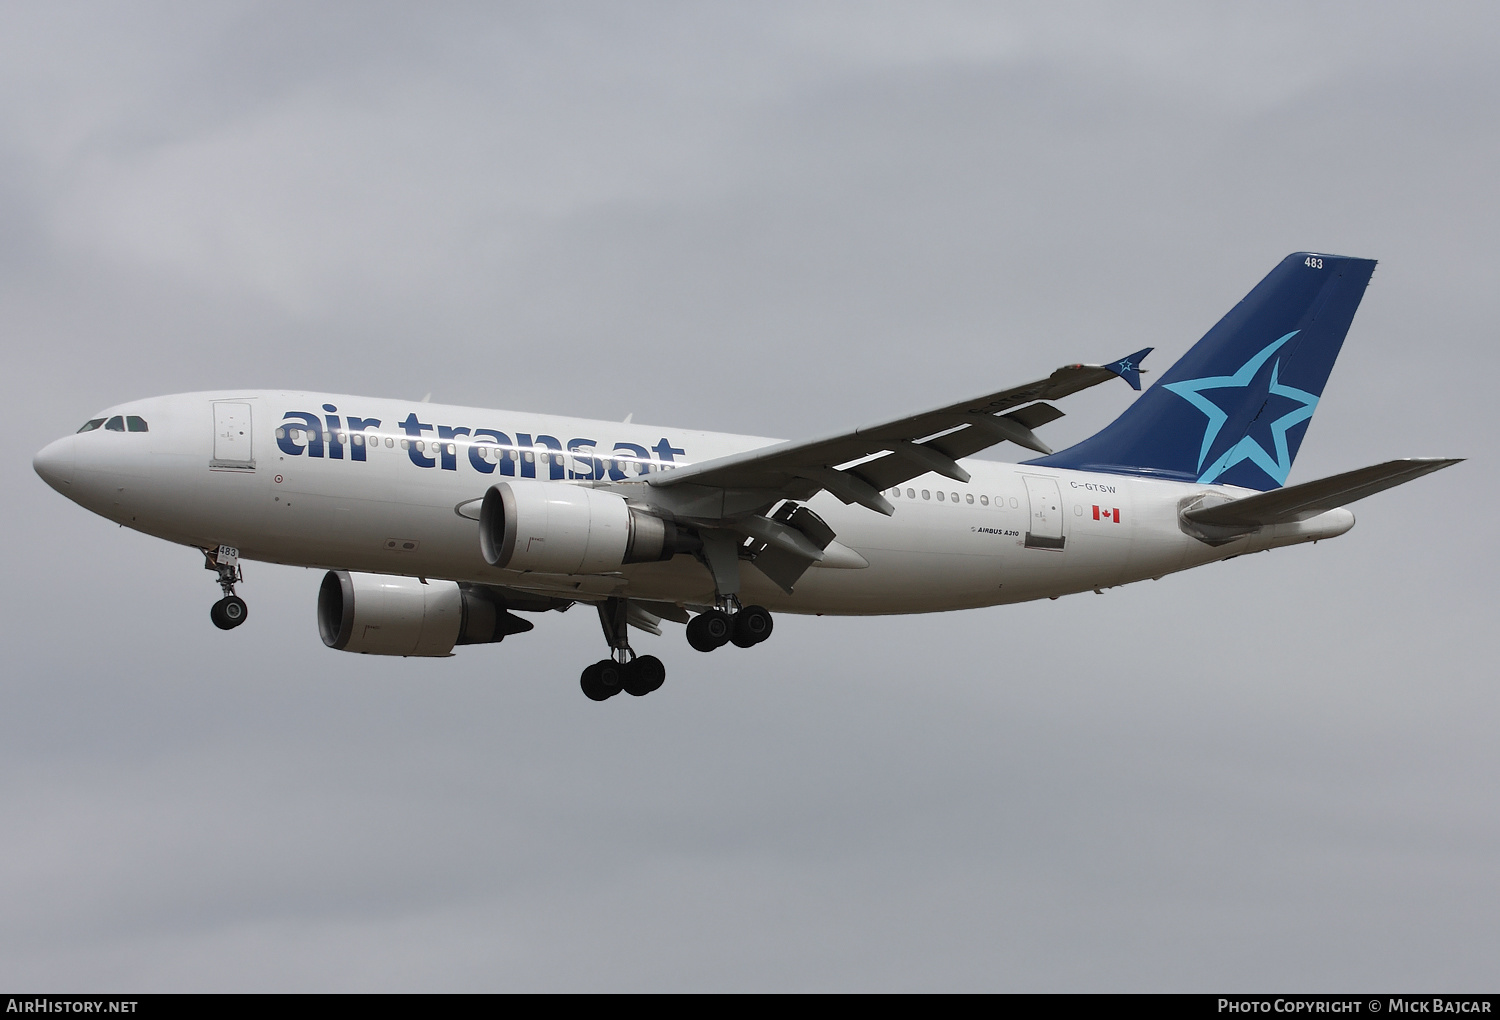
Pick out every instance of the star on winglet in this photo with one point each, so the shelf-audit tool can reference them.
(1129, 368)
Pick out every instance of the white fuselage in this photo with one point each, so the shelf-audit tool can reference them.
(352, 489)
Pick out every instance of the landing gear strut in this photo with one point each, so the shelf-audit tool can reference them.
(230, 611)
(636, 675)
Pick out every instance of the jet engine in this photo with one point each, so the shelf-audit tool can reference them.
(571, 529)
(381, 614)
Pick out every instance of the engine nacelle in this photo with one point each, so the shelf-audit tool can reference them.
(570, 529)
(382, 614)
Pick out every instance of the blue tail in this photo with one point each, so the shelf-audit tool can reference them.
(1234, 409)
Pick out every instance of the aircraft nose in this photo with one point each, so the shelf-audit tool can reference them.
(55, 463)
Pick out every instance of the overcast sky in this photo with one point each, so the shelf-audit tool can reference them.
(782, 219)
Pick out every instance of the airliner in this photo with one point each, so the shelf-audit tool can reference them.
(442, 526)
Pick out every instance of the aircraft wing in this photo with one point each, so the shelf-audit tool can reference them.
(855, 466)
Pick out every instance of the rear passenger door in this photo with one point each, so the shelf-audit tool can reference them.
(1044, 529)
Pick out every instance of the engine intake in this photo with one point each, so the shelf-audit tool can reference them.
(571, 529)
(381, 614)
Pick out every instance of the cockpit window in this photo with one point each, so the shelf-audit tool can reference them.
(115, 424)
(136, 423)
(91, 425)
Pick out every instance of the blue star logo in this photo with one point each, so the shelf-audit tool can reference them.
(1129, 367)
(1277, 465)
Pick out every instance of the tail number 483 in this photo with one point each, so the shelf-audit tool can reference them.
(1313, 262)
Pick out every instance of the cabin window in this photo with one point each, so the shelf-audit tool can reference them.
(968, 497)
(911, 494)
(984, 501)
(927, 494)
(940, 495)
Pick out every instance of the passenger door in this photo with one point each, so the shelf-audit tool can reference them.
(1044, 529)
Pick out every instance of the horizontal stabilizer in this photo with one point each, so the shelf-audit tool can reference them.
(1300, 502)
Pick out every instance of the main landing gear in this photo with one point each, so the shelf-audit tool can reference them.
(636, 675)
(230, 611)
(727, 621)
(717, 627)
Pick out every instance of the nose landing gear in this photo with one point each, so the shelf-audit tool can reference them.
(230, 611)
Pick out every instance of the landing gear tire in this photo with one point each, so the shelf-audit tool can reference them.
(710, 630)
(601, 681)
(229, 612)
(752, 625)
(644, 675)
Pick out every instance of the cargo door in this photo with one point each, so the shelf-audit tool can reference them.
(1044, 529)
(232, 436)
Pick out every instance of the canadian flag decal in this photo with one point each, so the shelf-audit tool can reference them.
(1102, 514)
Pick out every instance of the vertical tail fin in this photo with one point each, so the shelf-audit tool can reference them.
(1234, 409)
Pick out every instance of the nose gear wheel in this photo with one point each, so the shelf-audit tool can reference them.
(229, 612)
